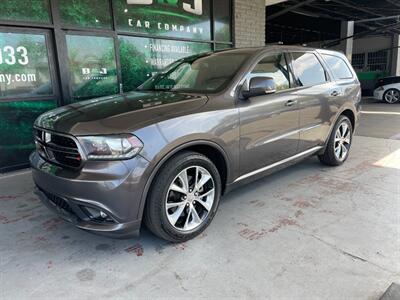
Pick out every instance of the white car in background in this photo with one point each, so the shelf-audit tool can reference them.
(388, 89)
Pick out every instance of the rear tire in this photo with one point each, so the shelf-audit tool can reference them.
(339, 143)
(184, 197)
(391, 96)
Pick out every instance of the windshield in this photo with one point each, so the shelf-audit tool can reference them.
(209, 73)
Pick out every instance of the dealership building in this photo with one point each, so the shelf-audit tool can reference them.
(58, 52)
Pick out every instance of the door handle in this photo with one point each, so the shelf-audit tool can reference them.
(291, 102)
(335, 94)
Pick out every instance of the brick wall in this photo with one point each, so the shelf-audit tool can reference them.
(249, 23)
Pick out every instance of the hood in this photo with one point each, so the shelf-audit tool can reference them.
(120, 113)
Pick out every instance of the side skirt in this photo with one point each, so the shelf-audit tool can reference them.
(259, 173)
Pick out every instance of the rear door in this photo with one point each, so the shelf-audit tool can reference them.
(316, 95)
(345, 83)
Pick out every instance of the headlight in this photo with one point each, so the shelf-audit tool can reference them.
(112, 147)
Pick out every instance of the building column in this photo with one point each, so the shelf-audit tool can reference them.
(346, 30)
(249, 23)
(395, 61)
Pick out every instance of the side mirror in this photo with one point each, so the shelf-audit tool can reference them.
(258, 86)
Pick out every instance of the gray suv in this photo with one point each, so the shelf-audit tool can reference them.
(165, 153)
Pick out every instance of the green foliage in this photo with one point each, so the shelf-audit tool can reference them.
(222, 32)
(136, 57)
(84, 13)
(37, 52)
(98, 53)
(16, 120)
(222, 21)
(133, 65)
(222, 46)
(38, 63)
(30, 11)
(170, 2)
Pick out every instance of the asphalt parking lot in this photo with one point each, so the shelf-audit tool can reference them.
(308, 232)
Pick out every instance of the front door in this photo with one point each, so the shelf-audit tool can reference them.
(269, 124)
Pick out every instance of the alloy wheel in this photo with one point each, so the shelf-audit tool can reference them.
(392, 96)
(190, 198)
(342, 141)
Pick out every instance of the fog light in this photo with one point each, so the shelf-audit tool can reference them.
(93, 213)
(97, 215)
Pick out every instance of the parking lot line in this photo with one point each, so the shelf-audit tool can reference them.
(380, 112)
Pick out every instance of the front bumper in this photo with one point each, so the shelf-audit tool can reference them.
(378, 94)
(112, 187)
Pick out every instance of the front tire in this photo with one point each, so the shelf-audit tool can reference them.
(391, 96)
(184, 197)
(339, 143)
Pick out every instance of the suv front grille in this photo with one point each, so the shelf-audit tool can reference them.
(58, 149)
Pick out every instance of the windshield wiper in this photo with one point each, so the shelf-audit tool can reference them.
(153, 90)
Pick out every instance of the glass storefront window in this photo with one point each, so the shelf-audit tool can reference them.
(16, 127)
(25, 11)
(84, 13)
(151, 35)
(169, 18)
(92, 67)
(222, 47)
(24, 65)
(141, 57)
(222, 21)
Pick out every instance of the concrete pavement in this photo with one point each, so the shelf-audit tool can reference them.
(380, 120)
(308, 232)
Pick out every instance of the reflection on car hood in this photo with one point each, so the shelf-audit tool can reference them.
(119, 113)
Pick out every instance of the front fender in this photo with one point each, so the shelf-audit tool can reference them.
(161, 141)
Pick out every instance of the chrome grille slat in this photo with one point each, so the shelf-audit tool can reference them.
(54, 147)
(70, 157)
(58, 148)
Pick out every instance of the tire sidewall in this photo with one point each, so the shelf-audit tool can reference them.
(342, 119)
(189, 160)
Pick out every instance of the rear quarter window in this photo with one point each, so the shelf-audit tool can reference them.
(338, 66)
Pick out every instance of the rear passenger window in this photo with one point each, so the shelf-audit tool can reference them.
(274, 66)
(308, 69)
(338, 66)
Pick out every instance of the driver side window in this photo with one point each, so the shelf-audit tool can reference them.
(274, 66)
